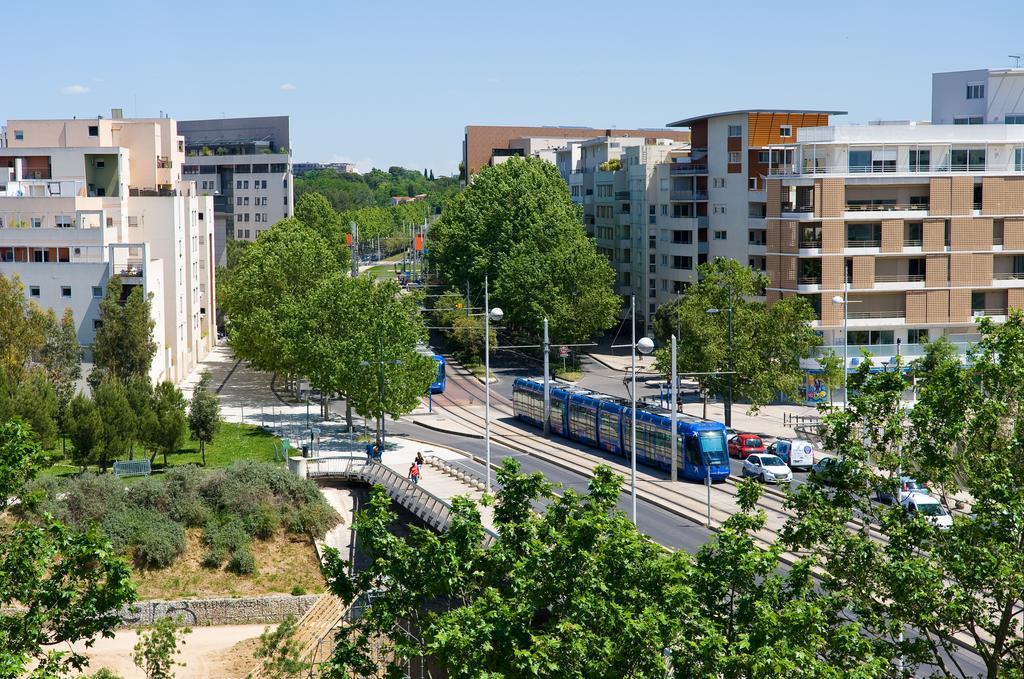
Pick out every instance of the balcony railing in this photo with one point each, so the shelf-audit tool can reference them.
(899, 278)
(164, 163)
(994, 311)
(789, 207)
(687, 168)
(905, 350)
(912, 242)
(809, 280)
(622, 195)
(1008, 275)
(890, 313)
(887, 206)
(794, 170)
(863, 243)
(810, 244)
(688, 195)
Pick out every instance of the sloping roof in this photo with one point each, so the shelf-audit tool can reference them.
(686, 122)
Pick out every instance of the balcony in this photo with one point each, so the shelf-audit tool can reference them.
(810, 244)
(622, 195)
(133, 269)
(163, 162)
(912, 242)
(863, 243)
(881, 207)
(1008, 276)
(809, 280)
(880, 350)
(884, 313)
(688, 195)
(687, 168)
(789, 207)
(994, 311)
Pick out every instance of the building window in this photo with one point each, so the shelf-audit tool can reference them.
(975, 90)
(97, 324)
(682, 262)
(97, 292)
(238, 200)
(762, 157)
(917, 335)
(977, 302)
(682, 237)
(1018, 159)
(664, 184)
(735, 130)
(1014, 120)
(604, 190)
(735, 157)
(99, 162)
(200, 216)
(65, 291)
(785, 130)
(664, 210)
(238, 183)
(33, 291)
(94, 130)
(284, 183)
(971, 120)
(63, 221)
(263, 184)
(37, 222)
(920, 160)
(718, 209)
(19, 135)
(721, 235)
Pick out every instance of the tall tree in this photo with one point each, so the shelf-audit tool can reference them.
(767, 341)
(23, 330)
(169, 422)
(517, 224)
(85, 429)
(62, 358)
(61, 586)
(269, 292)
(204, 413)
(832, 367)
(124, 345)
(313, 210)
(119, 421)
(139, 393)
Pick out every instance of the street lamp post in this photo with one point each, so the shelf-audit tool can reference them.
(844, 300)
(675, 408)
(497, 315)
(644, 346)
(728, 391)
(380, 383)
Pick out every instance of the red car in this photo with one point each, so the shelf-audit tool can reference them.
(742, 445)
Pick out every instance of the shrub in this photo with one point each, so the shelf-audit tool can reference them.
(242, 562)
(313, 519)
(91, 497)
(159, 542)
(225, 533)
(149, 493)
(104, 673)
(263, 522)
(191, 511)
(41, 498)
(215, 557)
(298, 590)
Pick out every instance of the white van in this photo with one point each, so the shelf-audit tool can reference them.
(797, 453)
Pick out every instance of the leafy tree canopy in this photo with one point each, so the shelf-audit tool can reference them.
(516, 224)
(124, 345)
(768, 341)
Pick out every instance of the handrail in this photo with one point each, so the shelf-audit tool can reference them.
(793, 170)
(899, 278)
(881, 207)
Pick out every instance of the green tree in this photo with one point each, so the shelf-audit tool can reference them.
(204, 413)
(768, 340)
(139, 393)
(269, 292)
(279, 652)
(831, 366)
(124, 345)
(516, 224)
(85, 429)
(313, 210)
(119, 421)
(60, 585)
(62, 358)
(36, 402)
(23, 330)
(157, 650)
(169, 422)
(360, 336)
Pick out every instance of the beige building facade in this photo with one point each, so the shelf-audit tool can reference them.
(82, 200)
(921, 227)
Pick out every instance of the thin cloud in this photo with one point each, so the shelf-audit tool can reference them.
(288, 87)
(74, 89)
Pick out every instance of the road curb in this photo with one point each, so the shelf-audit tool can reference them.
(639, 371)
(442, 430)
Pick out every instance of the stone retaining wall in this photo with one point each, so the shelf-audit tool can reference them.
(198, 612)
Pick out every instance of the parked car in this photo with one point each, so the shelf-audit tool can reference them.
(797, 453)
(907, 485)
(824, 470)
(767, 468)
(928, 507)
(742, 445)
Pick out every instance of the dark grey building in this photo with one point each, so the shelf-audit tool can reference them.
(245, 164)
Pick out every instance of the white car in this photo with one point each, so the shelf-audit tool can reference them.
(767, 468)
(928, 507)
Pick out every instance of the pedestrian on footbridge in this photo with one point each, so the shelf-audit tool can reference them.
(414, 473)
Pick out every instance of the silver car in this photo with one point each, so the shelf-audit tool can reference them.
(767, 468)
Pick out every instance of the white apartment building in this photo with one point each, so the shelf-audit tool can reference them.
(922, 226)
(977, 97)
(82, 200)
(245, 164)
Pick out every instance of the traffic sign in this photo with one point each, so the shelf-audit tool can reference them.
(563, 351)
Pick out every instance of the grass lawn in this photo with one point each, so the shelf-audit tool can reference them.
(282, 563)
(233, 442)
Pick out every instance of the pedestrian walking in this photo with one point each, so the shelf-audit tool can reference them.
(419, 459)
(414, 473)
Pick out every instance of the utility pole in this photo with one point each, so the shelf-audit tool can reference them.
(675, 408)
(547, 380)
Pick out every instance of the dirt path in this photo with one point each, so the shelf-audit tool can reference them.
(223, 652)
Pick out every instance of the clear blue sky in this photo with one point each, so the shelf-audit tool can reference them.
(395, 83)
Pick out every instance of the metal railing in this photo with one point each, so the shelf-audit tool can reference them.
(1008, 275)
(891, 313)
(803, 209)
(809, 280)
(810, 244)
(687, 195)
(906, 350)
(912, 242)
(622, 195)
(863, 243)
(899, 278)
(687, 168)
(995, 311)
(887, 206)
(794, 170)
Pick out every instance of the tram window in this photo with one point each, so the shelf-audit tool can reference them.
(693, 451)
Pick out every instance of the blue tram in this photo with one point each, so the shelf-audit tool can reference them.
(604, 422)
(437, 386)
